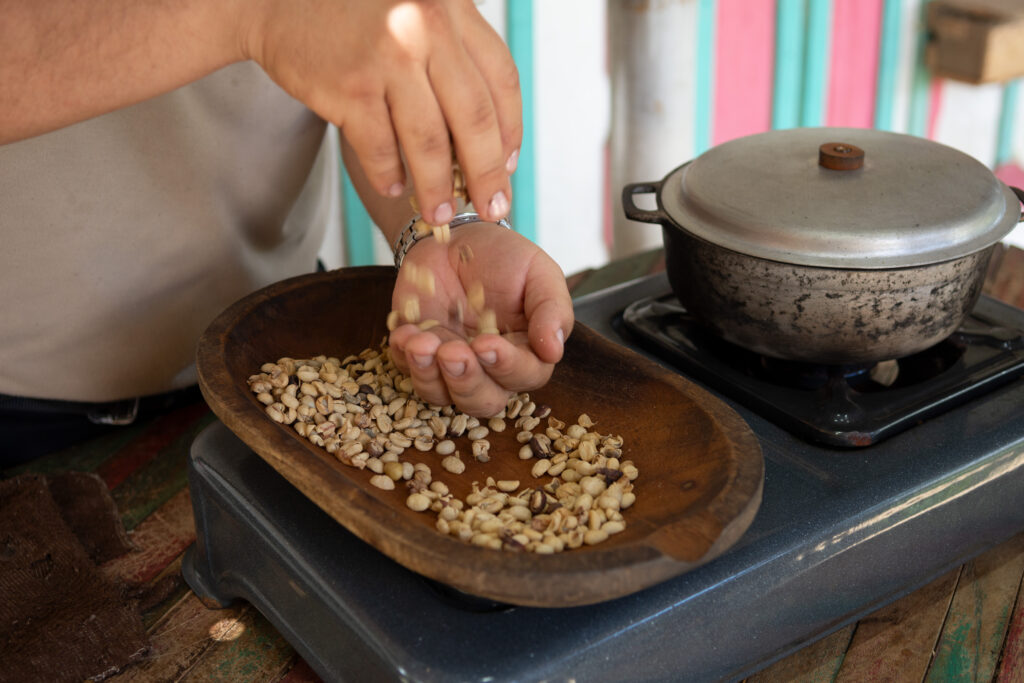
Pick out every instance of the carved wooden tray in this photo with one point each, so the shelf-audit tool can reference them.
(701, 469)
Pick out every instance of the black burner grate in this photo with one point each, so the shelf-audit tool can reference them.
(847, 406)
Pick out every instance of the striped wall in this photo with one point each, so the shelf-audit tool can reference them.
(623, 90)
(853, 63)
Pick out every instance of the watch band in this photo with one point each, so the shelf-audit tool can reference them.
(410, 236)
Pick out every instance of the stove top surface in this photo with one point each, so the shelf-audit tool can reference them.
(851, 406)
(840, 532)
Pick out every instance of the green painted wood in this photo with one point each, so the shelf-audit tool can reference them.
(789, 63)
(819, 662)
(157, 481)
(259, 654)
(358, 226)
(180, 639)
(704, 96)
(519, 29)
(975, 628)
(86, 456)
(158, 610)
(895, 643)
(1008, 122)
(888, 63)
(816, 62)
(1011, 666)
(920, 86)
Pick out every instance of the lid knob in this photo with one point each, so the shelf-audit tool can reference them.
(840, 156)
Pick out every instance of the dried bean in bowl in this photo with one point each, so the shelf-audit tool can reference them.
(363, 412)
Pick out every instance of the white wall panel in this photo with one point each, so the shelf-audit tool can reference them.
(571, 100)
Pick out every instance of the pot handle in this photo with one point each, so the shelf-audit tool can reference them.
(634, 212)
(1020, 195)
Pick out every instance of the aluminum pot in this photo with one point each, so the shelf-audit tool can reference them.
(826, 245)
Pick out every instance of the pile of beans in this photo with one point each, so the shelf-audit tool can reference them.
(364, 412)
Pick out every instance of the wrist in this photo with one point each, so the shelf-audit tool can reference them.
(409, 236)
(248, 19)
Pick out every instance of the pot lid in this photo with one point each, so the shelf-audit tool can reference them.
(841, 198)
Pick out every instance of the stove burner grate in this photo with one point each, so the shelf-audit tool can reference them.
(845, 406)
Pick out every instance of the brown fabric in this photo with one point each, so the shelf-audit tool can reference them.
(60, 619)
(90, 513)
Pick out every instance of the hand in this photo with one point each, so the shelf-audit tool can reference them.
(452, 362)
(403, 76)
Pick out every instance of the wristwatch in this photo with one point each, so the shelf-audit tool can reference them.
(410, 236)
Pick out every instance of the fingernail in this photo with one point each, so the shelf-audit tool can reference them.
(443, 213)
(561, 335)
(454, 369)
(396, 190)
(498, 206)
(513, 161)
(488, 357)
(422, 361)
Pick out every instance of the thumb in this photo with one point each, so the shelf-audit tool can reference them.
(548, 309)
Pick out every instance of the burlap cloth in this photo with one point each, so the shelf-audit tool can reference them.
(60, 618)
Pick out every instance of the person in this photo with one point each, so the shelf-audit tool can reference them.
(158, 161)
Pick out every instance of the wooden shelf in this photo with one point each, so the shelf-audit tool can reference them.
(976, 41)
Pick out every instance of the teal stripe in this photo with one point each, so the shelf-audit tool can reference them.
(816, 64)
(789, 56)
(705, 73)
(1007, 118)
(920, 86)
(888, 63)
(358, 226)
(519, 20)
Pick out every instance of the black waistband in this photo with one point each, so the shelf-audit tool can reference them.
(110, 412)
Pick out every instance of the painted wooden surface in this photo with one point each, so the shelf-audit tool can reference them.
(965, 625)
(744, 56)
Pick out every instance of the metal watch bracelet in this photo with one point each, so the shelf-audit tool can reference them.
(410, 237)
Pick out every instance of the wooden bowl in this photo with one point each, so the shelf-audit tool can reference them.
(701, 469)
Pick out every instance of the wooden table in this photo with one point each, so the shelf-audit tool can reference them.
(966, 625)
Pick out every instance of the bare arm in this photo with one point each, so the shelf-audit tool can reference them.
(390, 214)
(65, 61)
(403, 79)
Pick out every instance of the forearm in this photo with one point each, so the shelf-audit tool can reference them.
(390, 214)
(69, 60)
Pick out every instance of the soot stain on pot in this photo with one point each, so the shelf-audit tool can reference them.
(820, 315)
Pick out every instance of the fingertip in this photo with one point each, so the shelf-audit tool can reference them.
(498, 206)
(512, 163)
(549, 329)
(549, 345)
(443, 213)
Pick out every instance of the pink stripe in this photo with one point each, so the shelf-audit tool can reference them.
(934, 107)
(856, 32)
(1011, 174)
(744, 62)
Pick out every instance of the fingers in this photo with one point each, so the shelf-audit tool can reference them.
(471, 389)
(549, 328)
(372, 138)
(404, 81)
(511, 365)
(416, 354)
(548, 308)
(423, 135)
(446, 371)
(469, 108)
(499, 72)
